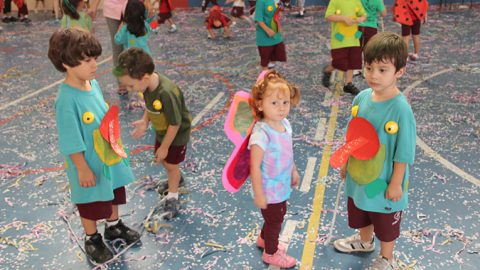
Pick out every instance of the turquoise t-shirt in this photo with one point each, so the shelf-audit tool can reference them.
(128, 40)
(78, 116)
(343, 35)
(372, 7)
(264, 12)
(367, 181)
(84, 22)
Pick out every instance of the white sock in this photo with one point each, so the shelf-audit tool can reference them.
(173, 26)
(173, 195)
(87, 237)
(112, 223)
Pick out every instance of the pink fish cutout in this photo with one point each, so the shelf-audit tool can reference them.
(110, 130)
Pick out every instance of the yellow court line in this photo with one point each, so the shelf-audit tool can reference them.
(317, 204)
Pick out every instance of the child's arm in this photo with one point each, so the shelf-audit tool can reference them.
(86, 177)
(162, 151)
(394, 190)
(121, 34)
(345, 19)
(256, 157)
(267, 29)
(343, 169)
(92, 11)
(295, 176)
(140, 126)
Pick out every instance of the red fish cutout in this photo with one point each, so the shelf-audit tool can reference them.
(110, 130)
(361, 142)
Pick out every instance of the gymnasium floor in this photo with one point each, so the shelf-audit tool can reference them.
(440, 229)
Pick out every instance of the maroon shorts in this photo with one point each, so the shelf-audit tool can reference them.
(367, 34)
(176, 153)
(347, 58)
(102, 210)
(385, 226)
(414, 29)
(163, 16)
(272, 53)
(237, 12)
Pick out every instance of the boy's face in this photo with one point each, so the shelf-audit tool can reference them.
(381, 75)
(85, 71)
(134, 85)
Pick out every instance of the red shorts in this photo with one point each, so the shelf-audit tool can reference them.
(272, 53)
(385, 226)
(348, 58)
(176, 153)
(414, 29)
(163, 16)
(367, 34)
(101, 210)
(237, 12)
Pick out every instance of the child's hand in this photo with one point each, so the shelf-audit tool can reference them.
(260, 201)
(140, 128)
(361, 19)
(343, 169)
(295, 179)
(161, 154)
(270, 32)
(86, 178)
(394, 192)
(92, 13)
(349, 21)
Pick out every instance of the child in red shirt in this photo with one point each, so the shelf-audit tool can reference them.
(216, 19)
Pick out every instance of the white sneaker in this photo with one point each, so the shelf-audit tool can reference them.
(354, 244)
(271, 65)
(381, 263)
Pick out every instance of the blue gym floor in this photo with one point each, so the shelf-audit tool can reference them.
(440, 229)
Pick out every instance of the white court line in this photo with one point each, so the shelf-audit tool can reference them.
(43, 89)
(427, 149)
(328, 97)
(320, 132)
(308, 175)
(207, 108)
(285, 237)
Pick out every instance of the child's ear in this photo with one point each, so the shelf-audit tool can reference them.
(146, 77)
(400, 72)
(67, 67)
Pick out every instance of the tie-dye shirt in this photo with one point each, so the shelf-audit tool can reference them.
(277, 163)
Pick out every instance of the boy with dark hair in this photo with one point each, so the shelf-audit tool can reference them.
(377, 188)
(97, 165)
(165, 108)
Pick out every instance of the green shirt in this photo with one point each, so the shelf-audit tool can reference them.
(264, 12)
(84, 22)
(373, 7)
(342, 35)
(166, 106)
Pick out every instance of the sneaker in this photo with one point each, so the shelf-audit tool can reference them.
(233, 24)
(350, 88)
(354, 244)
(171, 208)
(261, 243)
(172, 30)
(162, 187)
(413, 56)
(279, 259)
(96, 250)
(271, 65)
(209, 36)
(301, 14)
(382, 263)
(25, 20)
(121, 231)
(326, 79)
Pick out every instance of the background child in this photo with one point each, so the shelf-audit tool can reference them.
(273, 170)
(216, 19)
(166, 110)
(345, 15)
(205, 4)
(238, 11)
(410, 14)
(268, 36)
(377, 194)
(74, 15)
(165, 8)
(97, 175)
(135, 29)
(370, 25)
(6, 9)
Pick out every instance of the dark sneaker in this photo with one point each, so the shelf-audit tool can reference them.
(326, 79)
(172, 206)
(96, 249)
(25, 20)
(121, 231)
(350, 88)
(163, 187)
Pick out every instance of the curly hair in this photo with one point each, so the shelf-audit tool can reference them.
(135, 63)
(261, 86)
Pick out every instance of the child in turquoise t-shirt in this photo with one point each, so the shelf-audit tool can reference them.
(370, 25)
(377, 188)
(96, 163)
(75, 16)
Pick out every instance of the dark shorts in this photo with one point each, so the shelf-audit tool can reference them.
(102, 210)
(252, 6)
(237, 12)
(367, 34)
(176, 153)
(163, 16)
(347, 58)
(414, 29)
(272, 53)
(385, 226)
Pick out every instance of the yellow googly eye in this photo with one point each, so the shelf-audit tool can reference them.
(140, 94)
(157, 105)
(270, 8)
(338, 12)
(391, 127)
(88, 117)
(355, 111)
(357, 9)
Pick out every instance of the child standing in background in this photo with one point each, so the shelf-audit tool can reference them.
(75, 16)
(238, 11)
(273, 171)
(370, 26)
(165, 8)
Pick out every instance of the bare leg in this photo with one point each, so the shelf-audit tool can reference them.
(366, 233)
(386, 249)
(89, 226)
(416, 43)
(407, 40)
(329, 69)
(173, 173)
(114, 215)
(349, 76)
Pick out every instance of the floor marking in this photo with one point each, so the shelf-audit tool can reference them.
(285, 237)
(207, 108)
(308, 175)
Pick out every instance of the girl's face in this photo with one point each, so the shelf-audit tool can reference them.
(275, 104)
